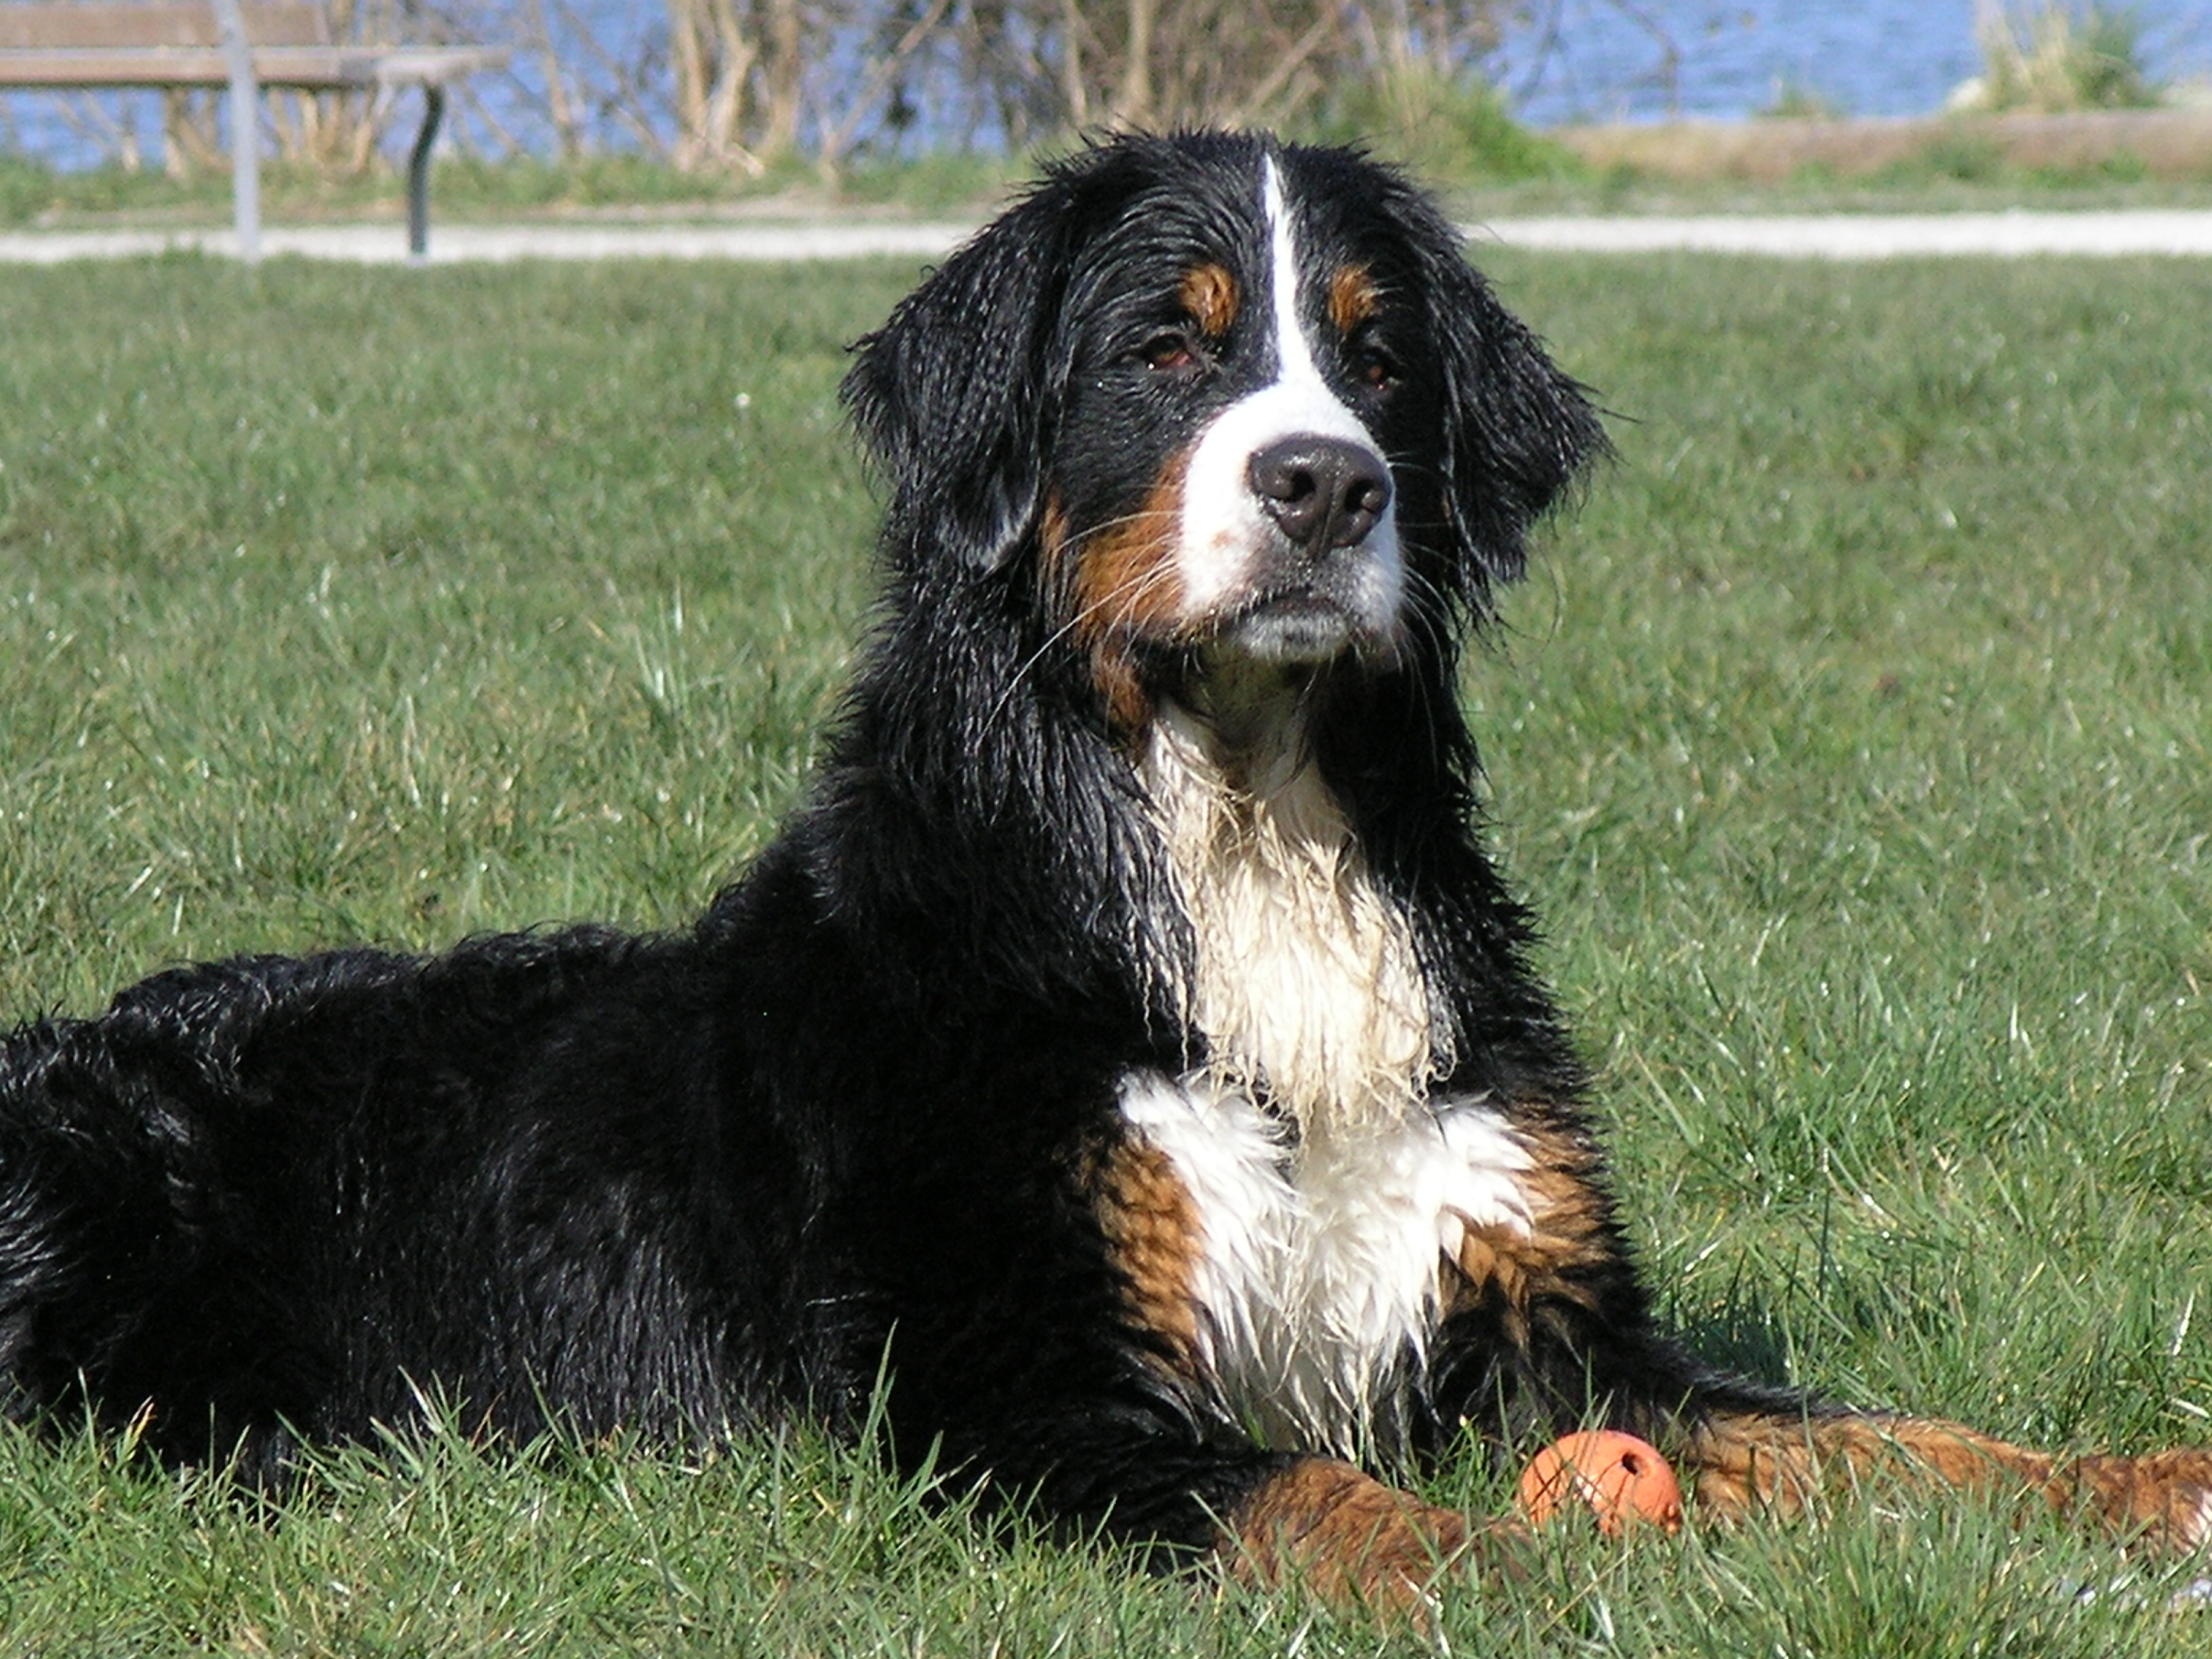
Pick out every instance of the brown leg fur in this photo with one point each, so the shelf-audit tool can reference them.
(1732, 1465)
(1736, 1460)
(1346, 1535)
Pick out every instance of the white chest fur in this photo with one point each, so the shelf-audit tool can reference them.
(1306, 983)
(1325, 1219)
(1319, 1268)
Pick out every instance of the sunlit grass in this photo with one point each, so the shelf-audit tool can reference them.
(1852, 738)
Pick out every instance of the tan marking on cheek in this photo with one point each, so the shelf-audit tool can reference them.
(1209, 294)
(1128, 702)
(1352, 298)
(1127, 588)
(1152, 1234)
(1055, 562)
(1052, 526)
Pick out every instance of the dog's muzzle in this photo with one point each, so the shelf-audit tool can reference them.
(1323, 493)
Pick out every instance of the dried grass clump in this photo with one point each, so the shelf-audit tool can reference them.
(2053, 56)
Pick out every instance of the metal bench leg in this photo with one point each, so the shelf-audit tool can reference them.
(244, 131)
(418, 172)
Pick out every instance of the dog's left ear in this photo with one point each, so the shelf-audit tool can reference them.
(958, 394)
(1517, 431)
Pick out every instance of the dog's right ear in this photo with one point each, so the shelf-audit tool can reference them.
(958, 394)
(1517, 430)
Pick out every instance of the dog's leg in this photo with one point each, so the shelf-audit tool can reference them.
(1736, 1461)
(1267, 1517)
(1346, 1535)
(1556, 1303)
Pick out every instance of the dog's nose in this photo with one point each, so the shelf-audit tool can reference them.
(1325, 493)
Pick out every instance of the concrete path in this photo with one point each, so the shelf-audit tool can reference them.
(1829, 236)
(1871, 236)
(386, 244)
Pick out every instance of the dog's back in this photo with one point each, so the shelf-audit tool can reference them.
(271, 1195)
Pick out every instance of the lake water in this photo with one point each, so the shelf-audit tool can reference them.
(1598, 60)
(1570, 60)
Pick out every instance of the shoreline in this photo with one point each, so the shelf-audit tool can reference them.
(2163, 143)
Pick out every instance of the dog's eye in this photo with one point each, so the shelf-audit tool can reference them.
(1374, 367)
(1170, 349)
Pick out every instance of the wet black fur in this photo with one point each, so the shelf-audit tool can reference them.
(693, 1182)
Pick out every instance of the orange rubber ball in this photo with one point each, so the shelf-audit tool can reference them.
(1616, 1477)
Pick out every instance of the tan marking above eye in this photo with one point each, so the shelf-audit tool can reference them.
(1209, 294)
(1352, 298)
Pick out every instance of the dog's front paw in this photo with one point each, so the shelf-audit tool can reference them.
(2163, 1498)
(1350, 1537)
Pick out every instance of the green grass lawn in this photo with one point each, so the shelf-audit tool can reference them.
(1529, 174)
(1854, 738)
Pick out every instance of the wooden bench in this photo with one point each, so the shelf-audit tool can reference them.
(243, 45)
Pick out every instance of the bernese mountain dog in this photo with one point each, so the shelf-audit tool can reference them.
(1127, 1049)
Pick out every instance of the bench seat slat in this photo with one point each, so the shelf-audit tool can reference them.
(103, 24)
(274, 66)
(160, 44)
(304, 67)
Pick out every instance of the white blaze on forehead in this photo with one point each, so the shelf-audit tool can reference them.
(1224, 527)
(1293, 351)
